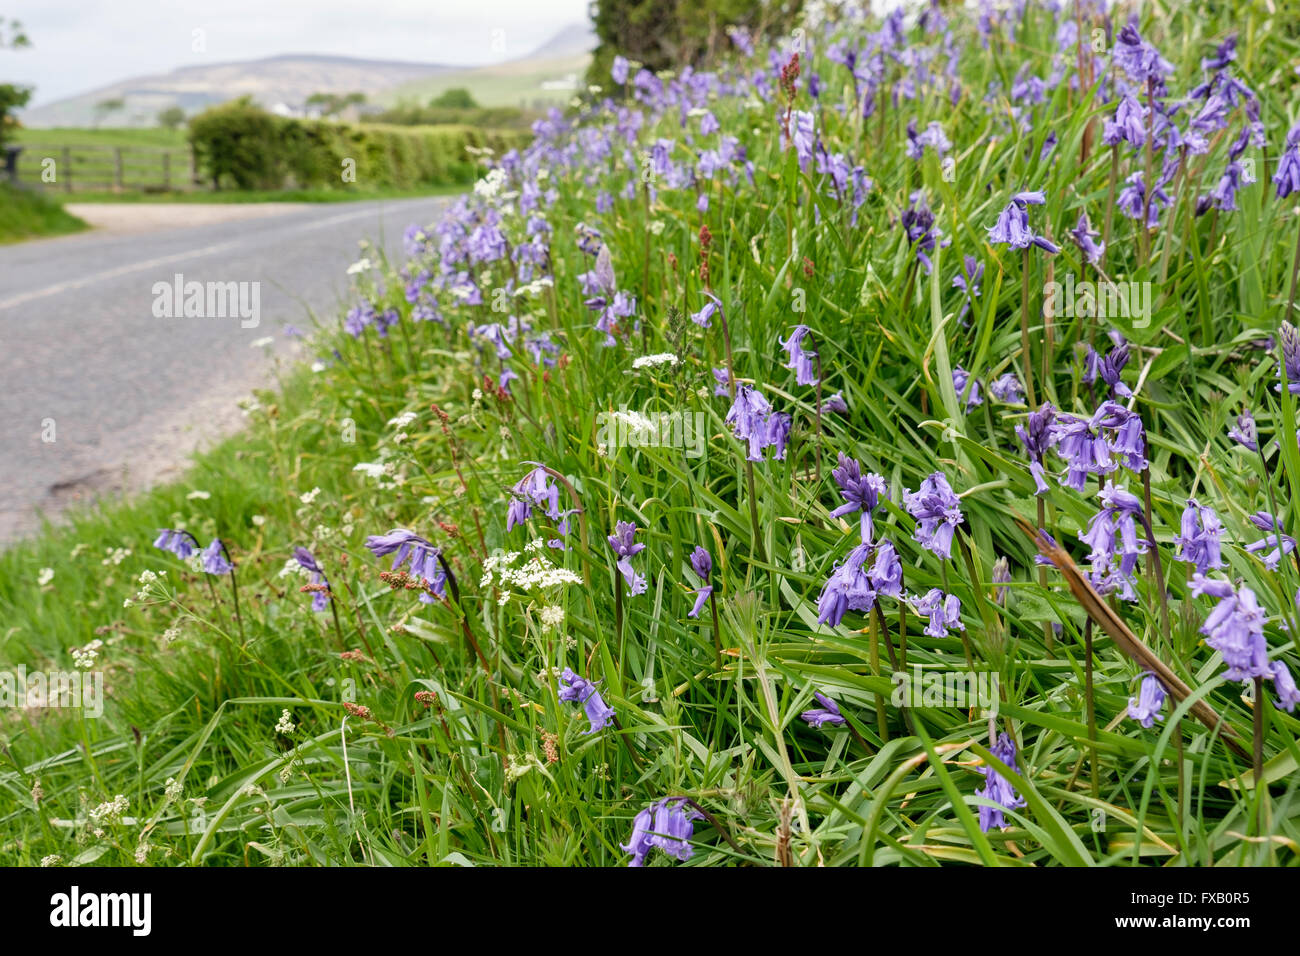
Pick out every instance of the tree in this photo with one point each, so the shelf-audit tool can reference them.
(171, 117)
(456, 98)
(108, 106)
(670, 34)
(11, 97)
(331, 104)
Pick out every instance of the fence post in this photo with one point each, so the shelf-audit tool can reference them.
(67, 169)
(167, 172)
(117, 168)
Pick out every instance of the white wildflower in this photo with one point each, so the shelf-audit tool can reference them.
(45, 576)
(286, 725)
(659, 358)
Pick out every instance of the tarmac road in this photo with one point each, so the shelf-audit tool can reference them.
(126, 394)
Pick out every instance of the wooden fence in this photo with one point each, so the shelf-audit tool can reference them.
(70, 169)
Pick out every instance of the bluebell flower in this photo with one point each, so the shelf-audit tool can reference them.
(626, 548)
(960, 380)
(1284, 686)
(180, 543)
(1287, 175)
(937, 511)
(702, 565)
(1198, 539)
(1146, 706)
(1244, 431)
(828, 713)
(1290, 339)
(849, 588)
(582, 691)
(1037, 436)
(215, 559)
(943, 610)
(1083, 235)
(1007, 389)
(1281, 544)
(667, 824)
(835, 405)
(1235, 628)
(997, 788)
(535, 489)
(801, 361)
(1012, 226)
(1113, 537)
(320, 600)
(425, 565)
(860, 492)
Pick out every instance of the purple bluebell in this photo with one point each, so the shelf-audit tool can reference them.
(535, 489)
(582, 691)
(1001, 578)
(667, 824)
(1132, 200)
(1012, 227)
(320, 600)
(828, 713)
(704, 317)
(618, 70)
(851, 587)
(1284, 686)
(180, 543)
(835, 404)
(1290, 339)
(997, 789)
(937, 511)
(425, 563)
(752, 420)
(1139, 59)
(1244, 431)
(801, 360)
(1235, 628)
(1112, 535)
(1037, 436)
(1127, 125)
(1281, 544)
(1287, 175)
(1083, 235)
(1007, 389)
(860, 492)
(626, 548)
(722, 380)
(1146, 706)
(215, 558)
(961, 379)
(1198, 540)
(702, 565)
(943, 610)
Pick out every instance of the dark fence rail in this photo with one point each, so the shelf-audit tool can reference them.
(68, 169)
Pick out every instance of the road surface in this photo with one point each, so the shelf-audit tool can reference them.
(127, 394)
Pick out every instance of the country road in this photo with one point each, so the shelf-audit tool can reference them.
(126, 395)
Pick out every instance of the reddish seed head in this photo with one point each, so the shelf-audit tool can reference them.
(706, 237)
(808, 267)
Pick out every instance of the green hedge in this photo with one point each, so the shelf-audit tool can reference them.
(239, 145)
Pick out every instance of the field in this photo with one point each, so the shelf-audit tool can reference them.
(840, 459)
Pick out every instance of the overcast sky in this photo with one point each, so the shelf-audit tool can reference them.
(78, 45)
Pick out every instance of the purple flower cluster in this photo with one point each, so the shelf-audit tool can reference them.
(667, 824)
(579, 690)
(997, 789)
(1012, 227)
(937, 511)
(626, 548)
(753, 420)
(425, 559)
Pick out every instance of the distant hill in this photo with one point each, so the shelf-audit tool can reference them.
(543, 76)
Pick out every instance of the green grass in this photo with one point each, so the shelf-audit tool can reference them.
(156, 137)
(488, 766)
(28, 215)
